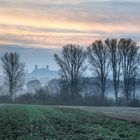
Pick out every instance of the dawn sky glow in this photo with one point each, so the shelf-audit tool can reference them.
(52, 24)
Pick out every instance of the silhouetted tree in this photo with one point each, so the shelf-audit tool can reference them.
(26, 98)
(115, 62)
(14, 72)
(133, 86)
(98, 58)
(71, 64)
(129, 56)
(41, 95)
(33, 85)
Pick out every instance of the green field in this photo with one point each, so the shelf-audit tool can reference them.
(25, 122)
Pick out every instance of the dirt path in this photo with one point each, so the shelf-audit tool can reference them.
(124, 113)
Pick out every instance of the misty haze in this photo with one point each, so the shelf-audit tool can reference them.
(69, 70)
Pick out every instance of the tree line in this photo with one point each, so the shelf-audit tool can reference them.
(111, 58)
(118, 57)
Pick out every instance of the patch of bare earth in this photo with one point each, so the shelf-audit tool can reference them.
(123, 113)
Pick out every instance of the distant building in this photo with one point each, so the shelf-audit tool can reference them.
(42, 74)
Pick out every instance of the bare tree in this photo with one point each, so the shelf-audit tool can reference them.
(71, 64)
(133, 85)
(129, 56)
(115, 61)
(98, 58)
(14, 72)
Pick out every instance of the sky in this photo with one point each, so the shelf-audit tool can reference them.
(39, 28)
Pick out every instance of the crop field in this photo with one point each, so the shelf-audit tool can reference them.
(32, 122)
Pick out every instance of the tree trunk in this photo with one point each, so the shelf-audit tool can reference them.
(11, 94)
